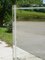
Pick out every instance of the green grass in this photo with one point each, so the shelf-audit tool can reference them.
(4, 36)
(30, 15)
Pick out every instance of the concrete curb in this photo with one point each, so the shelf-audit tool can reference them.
(6, 53)
(23, 55)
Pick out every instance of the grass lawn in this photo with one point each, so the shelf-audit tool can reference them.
(23, 15)
(4, 36)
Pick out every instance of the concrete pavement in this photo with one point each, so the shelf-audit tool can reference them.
(6, 53)
(31, 37)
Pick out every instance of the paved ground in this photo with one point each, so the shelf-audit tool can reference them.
(6, 53)
(31, 37)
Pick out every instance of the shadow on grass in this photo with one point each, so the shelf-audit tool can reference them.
(6, 35)
(8, 31)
